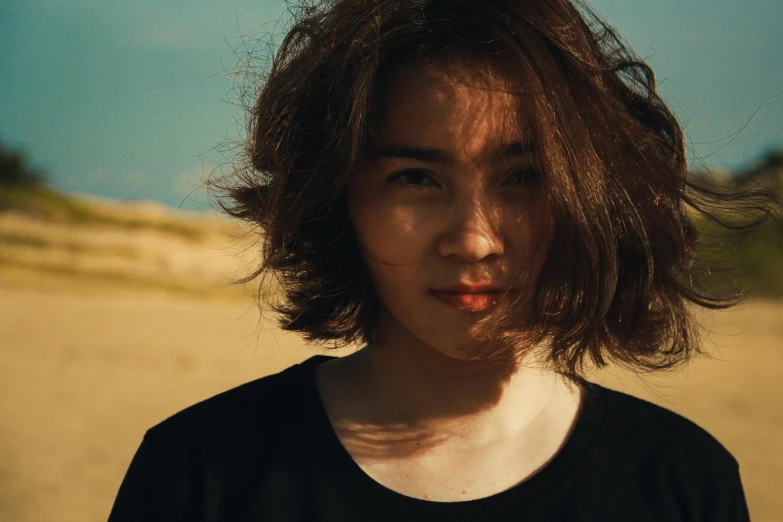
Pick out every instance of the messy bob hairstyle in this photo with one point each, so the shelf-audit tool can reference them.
(617, 279)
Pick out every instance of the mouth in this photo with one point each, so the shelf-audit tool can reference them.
(471, 302)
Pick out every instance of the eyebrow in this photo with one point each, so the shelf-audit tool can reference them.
(516, 148)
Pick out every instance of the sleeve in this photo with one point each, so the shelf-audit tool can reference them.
(726, 498)
(155, 485)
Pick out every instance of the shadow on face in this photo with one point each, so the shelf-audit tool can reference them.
(451, 194)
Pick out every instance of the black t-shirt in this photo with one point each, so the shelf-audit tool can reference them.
(265, 451)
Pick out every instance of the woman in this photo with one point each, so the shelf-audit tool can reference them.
(483, 194)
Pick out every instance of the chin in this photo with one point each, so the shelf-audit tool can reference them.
(458, 344)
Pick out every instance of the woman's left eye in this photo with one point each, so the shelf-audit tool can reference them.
(526, 176)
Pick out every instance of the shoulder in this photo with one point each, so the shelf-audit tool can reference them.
(249, 414)
(212, 447)
(667, 463)
(658, 434)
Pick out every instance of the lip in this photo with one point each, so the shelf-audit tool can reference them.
(471, 302)
(468, 288)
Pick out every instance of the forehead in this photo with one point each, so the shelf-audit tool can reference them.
(445, 104)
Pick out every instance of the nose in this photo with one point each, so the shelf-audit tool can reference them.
(472, 233)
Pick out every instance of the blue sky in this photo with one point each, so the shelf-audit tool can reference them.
(131, 99)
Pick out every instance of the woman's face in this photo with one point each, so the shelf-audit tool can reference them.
(449, 197)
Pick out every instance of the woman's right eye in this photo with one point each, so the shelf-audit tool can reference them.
(413, 177)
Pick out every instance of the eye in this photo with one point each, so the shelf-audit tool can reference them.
(525, 176)
(413, 177)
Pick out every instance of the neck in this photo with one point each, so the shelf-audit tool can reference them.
(419, 390)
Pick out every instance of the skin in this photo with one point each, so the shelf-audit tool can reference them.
(413, 411)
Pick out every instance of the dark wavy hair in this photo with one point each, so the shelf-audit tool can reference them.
(617, 280)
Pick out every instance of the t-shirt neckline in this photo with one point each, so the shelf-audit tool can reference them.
(574, 456)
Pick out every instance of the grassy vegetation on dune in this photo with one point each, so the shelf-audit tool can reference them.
(89, 278)
(75, 247)
(45, 202)
(730, 261)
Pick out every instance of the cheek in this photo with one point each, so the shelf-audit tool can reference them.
(540, 237)
(529, 236)
(394, 240)
(390, 234)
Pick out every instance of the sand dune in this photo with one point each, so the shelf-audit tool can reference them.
(201, 255)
